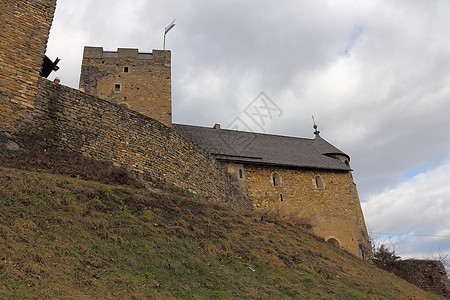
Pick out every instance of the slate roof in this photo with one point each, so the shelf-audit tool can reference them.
(264, 149)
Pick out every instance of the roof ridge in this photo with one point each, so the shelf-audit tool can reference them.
(246, 132)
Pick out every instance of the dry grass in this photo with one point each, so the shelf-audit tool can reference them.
(69, 163)
(62, 237)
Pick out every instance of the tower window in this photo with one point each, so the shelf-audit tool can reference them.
(125, 69)
(241, 175)
(117, 88)
(318, 182)
(276, 179)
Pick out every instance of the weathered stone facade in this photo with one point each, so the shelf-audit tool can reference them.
(24, 29)
(138, 81)
(306, 179)
(326, 200)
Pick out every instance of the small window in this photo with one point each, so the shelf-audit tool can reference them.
(125, 69)
(241, 175)
(281, 197)
(318, 182)
(117, 88)
(276, 179)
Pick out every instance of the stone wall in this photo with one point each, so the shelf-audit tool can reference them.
(139, 81)
(331, 206)
(106, 131)
(429, 275)
(24, 29)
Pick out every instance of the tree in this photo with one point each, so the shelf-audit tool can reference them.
(383, 255)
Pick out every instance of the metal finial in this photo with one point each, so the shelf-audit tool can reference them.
(166, 30)
(316, 132)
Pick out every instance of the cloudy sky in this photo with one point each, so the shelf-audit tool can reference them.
(375, 74)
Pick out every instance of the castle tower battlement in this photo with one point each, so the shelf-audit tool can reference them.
(137, 80)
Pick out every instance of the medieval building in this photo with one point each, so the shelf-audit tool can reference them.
(309, 179)
(122, 114)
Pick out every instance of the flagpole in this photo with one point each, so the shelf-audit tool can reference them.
(166, 30)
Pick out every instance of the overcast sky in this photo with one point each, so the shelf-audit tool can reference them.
(375, 74)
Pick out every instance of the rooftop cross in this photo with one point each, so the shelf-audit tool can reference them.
(316, 132)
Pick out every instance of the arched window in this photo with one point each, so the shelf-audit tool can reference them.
(318, 182)
(276, 179)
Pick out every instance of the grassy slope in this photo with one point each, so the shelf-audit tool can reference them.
(62, 237)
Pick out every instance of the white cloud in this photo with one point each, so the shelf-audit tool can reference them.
(414, 214)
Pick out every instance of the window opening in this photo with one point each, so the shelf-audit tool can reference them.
(240, 174)
(125, 69)
(117, 88)
(276, 180)
(318, 182)
(281, 197)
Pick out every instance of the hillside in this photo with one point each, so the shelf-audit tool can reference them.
(63, 237)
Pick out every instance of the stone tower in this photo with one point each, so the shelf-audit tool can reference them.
(138, 81)
(24, 30)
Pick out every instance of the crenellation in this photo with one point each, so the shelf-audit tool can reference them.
(127, 53)
(93, 52)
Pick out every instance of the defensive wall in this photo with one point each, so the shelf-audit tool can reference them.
(106, 131)
(429, 275)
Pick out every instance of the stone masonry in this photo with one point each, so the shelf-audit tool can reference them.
(138, 81)
(102, 130)
(332, 209)
(429, 275)
(24, 29)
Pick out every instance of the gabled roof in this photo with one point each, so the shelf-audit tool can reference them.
(264, 149)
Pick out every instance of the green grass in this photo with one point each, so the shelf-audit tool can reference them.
(68, 238)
